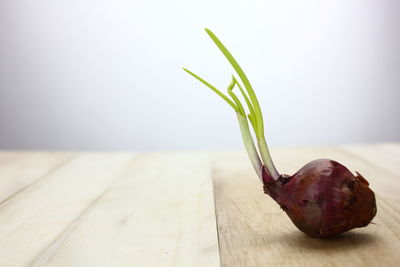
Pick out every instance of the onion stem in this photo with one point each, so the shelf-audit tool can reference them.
(249, 145)
(255, 116)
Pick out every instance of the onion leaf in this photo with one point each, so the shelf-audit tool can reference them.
(224, 97)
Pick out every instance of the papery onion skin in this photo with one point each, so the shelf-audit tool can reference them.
(324, 198)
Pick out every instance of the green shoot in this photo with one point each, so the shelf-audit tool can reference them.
(236, 99)
(249, 145)
(255, 116)
(245, 80)
(249, 105)
(224, 97)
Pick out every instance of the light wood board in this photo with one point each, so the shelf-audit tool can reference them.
(253, 231)
(180, 209)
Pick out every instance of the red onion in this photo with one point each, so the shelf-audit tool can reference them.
(323, 198)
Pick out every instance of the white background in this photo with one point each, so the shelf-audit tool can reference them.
(106, 75)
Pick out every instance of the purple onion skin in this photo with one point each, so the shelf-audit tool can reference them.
(324, 198)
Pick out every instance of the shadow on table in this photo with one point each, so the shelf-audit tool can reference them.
(348, 240)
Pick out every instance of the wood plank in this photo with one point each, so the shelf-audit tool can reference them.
(392, 148)
(35, 218)
(386, 156)
(18, 170)
(160, 212)
(253, 231)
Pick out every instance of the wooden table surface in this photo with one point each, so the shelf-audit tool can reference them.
(181, 209)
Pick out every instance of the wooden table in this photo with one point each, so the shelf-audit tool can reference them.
(180, 209)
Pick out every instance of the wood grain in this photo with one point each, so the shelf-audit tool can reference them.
(157, 209)
(33, 219)
(19, 170)
(160, 212)
(386, 156)
(253, 231)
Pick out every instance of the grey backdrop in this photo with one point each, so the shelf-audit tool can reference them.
(106, 75)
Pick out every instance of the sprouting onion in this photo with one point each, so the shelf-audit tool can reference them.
(323, 198)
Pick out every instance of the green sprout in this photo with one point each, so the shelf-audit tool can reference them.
(254, 116)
